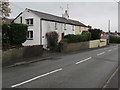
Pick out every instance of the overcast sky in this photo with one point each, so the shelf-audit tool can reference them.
(95, 14)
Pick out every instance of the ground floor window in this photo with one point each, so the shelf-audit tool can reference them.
(30, 35)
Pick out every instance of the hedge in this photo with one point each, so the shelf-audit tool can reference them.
(18, 33)
(114, 39)
(71, 38)
(13, 34)
(95, 34)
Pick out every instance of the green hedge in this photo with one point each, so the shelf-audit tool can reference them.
(71, 38)
(18, 33)
(114, 39)
(13, 34)
(5, 34)
(95, 33)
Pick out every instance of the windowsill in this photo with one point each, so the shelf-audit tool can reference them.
(30, 25)
(29, 38)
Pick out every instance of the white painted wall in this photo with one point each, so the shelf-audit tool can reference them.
(69, 29)
(48, 26)
(35, 28)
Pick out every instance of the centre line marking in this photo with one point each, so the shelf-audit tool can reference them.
(115, 48)
(100, 53)
(27, 81)
(110, 50)
(83, 60)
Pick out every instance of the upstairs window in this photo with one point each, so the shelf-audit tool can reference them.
(20, 19)
(55, 25)
(30, 35)
(64, 26)
(29, 21)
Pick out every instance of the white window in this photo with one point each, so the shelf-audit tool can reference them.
(30, 35)
(55, 25)
(29, 21)
(64, 26)
(73, 27)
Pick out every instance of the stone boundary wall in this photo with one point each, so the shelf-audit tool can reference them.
(68, 47)
(17, 54)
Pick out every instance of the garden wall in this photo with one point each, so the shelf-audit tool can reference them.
(94, 43)
(103, 42)
(68, 47)
(17, 54)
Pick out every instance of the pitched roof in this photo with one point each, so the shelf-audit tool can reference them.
(49, 17)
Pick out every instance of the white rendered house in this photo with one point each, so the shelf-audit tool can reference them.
(40, 23)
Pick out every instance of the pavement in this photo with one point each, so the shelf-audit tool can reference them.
(86, 69)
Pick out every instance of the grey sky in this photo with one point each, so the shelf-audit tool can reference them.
(95, 14)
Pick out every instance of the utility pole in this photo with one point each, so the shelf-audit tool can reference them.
(109, 26)
(108, 31)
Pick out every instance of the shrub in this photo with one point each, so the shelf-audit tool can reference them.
(18, 33)
(13, 34)
(6, 34)
(95, 33)
(71, 38)
(114, 39)
(52, 40)
(64, 40)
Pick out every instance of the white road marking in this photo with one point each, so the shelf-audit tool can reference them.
(83, 60)
(115, 48)
(27, 81)
(110, 50)
(100, 53)
(108, 81)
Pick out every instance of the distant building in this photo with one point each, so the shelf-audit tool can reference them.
(7, 20)
(40, 23)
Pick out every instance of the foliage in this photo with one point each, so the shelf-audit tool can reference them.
(6, 34)
(4, 4)
(52, 40)
(13, 34)
(78, 38)
(95, 33)
(114, 39)
(18, 33)
(64, 40)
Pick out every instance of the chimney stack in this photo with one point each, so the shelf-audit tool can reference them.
(65, 15)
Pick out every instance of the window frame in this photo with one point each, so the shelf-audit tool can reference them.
(65, 27)
(73, 28)
(29, 35)
(21, 19)
(56, 25)
(30, 21)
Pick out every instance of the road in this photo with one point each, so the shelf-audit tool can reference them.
(88, 69)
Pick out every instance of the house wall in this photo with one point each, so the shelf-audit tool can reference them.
(77, 30)
(48, 26)
(69, 29)
(80, 29)
(35, 28)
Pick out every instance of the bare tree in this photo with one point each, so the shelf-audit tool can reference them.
(4, 8)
